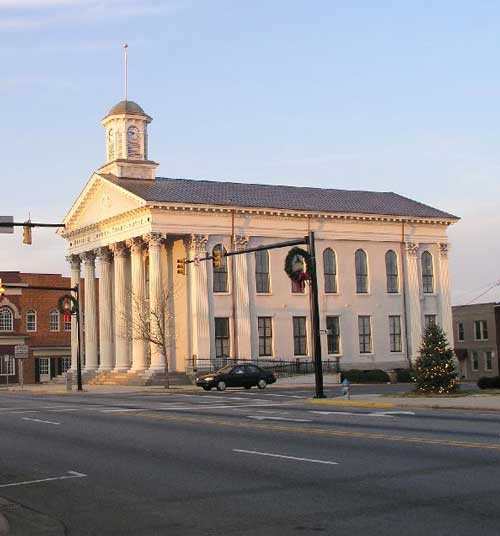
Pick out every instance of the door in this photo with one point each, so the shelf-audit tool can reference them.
(44, 367)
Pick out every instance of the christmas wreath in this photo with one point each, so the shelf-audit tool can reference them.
(297, 263)
(64, 301)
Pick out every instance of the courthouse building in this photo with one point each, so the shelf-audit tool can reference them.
(382, 266)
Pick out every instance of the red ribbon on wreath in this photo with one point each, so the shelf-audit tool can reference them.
(300, 282)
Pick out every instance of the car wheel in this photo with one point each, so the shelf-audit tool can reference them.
(207, 388)
(221, 386)
(261, 384)
(248, 386)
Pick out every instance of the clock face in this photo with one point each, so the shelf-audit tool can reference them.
(133, 133)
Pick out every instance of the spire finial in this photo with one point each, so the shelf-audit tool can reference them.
(125, 50)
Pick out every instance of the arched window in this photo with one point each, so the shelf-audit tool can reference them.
(220, 274)
(361, 272)
(427, 273)
(262, 271)
(330, 270)
(391, 270)
(54, 321)
(6, 319)
(31, 321)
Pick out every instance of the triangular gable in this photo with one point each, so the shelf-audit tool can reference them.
(99, 200)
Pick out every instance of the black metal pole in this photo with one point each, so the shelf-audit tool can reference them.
(78, 355)
(318, 365)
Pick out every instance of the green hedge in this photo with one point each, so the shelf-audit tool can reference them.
(489, 382)
(405, 375)
(365, 376)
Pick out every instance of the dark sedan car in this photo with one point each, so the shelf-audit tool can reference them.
(236, 376)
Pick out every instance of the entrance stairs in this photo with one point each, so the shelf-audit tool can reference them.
(175, 379)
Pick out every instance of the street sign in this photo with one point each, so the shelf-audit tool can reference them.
(5, 228)
(21, 351)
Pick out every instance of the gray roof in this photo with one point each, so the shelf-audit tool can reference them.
(201, 192)
(126, 107)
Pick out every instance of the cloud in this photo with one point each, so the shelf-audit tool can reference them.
(30, 14)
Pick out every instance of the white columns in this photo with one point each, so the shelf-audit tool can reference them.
(106, 344)
(240, 287)
(413, 308)
(139, 321)
(444, 297)
(75, 262)
(91, 362)
(122, 317)
(157, 305)
(198, 281)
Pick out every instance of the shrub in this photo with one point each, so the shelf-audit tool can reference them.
(405, 375)
(365, 376)
(489, 382)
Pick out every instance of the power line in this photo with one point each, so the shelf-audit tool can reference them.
(496, 284)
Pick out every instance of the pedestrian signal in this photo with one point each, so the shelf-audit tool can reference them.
(217, 262)
(181, 266)
(26, 233)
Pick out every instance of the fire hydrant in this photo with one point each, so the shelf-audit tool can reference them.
(346, 389)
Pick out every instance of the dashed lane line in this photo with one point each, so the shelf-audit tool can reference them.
(40, 421)
(70, 474)
(295, 458)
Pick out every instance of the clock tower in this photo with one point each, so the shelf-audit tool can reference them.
(126, 127)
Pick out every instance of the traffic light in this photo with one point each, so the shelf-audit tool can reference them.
(2, 289)
(181, 266)
(27, 233)
(217, 262)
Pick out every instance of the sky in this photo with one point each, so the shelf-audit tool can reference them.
(387, 96)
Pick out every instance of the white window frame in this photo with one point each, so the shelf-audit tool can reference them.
(460, 331)
(483, 328)
(52, 316)
(7, 328)
(474, 362)
(34, 323)
(7, 369)
(486, 360)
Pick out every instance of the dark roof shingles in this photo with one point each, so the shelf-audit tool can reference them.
(201, 192)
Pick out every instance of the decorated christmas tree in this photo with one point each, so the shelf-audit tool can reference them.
(435, 370)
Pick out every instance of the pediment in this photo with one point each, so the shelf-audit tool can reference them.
(98, 201)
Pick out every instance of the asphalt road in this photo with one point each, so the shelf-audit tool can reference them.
(243, 463)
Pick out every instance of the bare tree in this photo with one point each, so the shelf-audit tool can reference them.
(149, 323)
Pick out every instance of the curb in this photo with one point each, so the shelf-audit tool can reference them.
(349, 403)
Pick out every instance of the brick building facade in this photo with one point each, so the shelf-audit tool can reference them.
(31, 317)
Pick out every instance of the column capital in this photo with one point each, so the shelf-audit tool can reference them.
(135, 244)
(104, 254)
(88, 257)
(196, 242)
(241, 242)
(411, 248)
(443, 249)
(119, 249)
(74, 261)
(153, 239)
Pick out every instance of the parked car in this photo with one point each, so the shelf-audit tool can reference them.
(236, 376)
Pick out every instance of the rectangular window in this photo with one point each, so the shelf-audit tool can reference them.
(54, 321)
(488, 361)
(333, 334)
(262, 271)
(7, 365)
(395, 333)
(297, 289)
(31, 321)
(460, 331)
(265, 326)
(66, 363)
(221, 337)
(365, 335)
(480, 330)
(430, 320)
(67, 326)
(475, 361)
(299, 335)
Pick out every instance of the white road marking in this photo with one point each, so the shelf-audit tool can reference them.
(350, 414)
(285, 457)
(270, 411)
(121, 410)
(39, 420)
(71, 474)
(395, 413)
(262, 418)
(288, 396)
